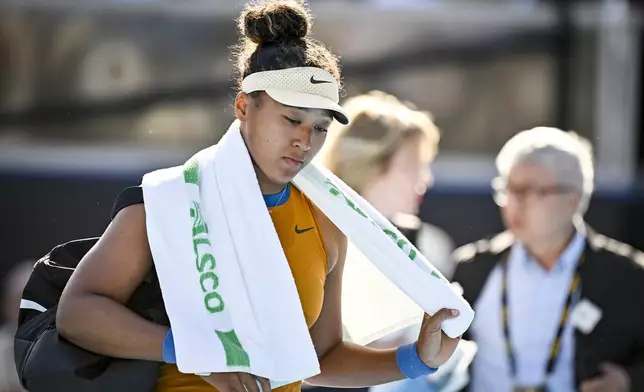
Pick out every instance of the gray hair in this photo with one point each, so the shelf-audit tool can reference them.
(568, 155)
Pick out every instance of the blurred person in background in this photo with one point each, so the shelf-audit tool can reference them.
(14, 283)
(558, 306)
(384, 154)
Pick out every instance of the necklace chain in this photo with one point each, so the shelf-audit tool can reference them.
(282, 193)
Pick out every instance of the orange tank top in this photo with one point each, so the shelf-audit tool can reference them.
(305, 250)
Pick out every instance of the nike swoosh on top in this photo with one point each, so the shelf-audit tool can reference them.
(300, 231)
(315, 81)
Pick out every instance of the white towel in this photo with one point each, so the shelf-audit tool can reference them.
(255, 294)
(384, 246)
(372, 307)
(248, 270)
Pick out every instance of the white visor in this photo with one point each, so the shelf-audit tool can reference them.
(303, 87)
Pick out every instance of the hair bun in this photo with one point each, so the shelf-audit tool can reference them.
(274, 21)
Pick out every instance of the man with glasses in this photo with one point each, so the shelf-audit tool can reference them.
(558, 307)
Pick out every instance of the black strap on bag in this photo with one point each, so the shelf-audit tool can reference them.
(46, 362)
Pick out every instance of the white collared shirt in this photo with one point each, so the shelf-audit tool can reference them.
(536, 299)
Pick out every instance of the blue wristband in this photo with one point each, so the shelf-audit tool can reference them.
(169, 356)
(410, 363)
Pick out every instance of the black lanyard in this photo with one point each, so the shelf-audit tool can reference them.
(556, 344)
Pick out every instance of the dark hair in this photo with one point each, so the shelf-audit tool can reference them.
(275, 35)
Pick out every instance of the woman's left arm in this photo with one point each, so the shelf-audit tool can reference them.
(349, 365)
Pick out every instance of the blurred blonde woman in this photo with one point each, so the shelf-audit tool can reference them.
(384, 154)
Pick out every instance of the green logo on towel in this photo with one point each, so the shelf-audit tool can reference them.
(199, 222)
(235, 353)
(402, 243)
(191, 172)
(208, 279)
(335, 191)
(205, 261)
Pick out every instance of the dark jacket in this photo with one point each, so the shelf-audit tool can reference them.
(612, 278)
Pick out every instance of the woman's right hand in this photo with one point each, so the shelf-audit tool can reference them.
(237, 382)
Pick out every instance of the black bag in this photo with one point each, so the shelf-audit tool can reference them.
(46, 362)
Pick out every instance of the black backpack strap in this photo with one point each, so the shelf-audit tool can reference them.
(146, 300)
(49, 277)
(127, 197)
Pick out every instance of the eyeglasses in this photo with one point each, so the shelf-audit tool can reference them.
(502, 191)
